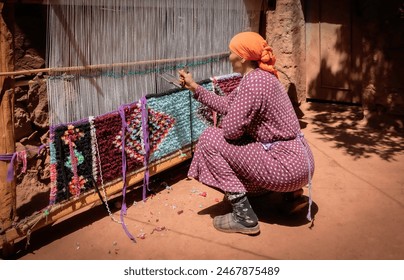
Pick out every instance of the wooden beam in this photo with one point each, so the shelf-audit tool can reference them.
(73, 69)
(25, 1)
(7, 189)
(7, 141)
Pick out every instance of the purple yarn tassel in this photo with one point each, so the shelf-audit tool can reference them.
(43, 146)
(145, 131)
(124, 167)
(11, 158)
(10, 170)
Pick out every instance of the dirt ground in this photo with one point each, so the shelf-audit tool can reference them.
(358, 194)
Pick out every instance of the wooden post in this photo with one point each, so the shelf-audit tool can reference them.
(7, 141)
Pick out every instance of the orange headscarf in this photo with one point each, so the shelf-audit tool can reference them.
(251, 46)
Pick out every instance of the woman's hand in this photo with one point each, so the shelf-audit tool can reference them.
(187, 80)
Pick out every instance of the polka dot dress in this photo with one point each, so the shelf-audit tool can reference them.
(259, 145)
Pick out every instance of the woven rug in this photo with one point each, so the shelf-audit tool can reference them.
(89, 152)
(221, 85)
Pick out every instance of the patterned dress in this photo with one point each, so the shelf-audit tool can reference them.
(259, 146)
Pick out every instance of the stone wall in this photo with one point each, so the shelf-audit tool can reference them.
(32, 131)
(31, 122)
(285, 33)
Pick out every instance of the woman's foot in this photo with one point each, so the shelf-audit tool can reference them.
(227, 223)
(242, 219)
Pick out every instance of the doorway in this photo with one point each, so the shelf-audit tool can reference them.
(330, 51)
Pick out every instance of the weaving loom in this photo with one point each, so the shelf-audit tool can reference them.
(108, 59)
(111, 114)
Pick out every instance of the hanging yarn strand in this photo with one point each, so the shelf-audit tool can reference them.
(113, 50)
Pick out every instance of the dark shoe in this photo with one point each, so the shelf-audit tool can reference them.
(227, 223)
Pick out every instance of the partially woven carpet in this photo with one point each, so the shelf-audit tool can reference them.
(89, 152)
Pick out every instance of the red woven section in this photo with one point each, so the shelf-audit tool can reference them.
(109, 137)
(227, 85)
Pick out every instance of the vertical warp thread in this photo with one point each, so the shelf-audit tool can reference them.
(82, 33)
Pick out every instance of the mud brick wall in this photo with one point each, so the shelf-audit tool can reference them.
(285, 31)
(31, 123)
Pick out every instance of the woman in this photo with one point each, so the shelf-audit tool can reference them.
(259, 146)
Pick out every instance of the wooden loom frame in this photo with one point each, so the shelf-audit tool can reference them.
(8, 81)
(88, 199)
(10, 233)
(66, 208)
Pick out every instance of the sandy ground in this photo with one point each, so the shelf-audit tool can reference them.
(358, 194)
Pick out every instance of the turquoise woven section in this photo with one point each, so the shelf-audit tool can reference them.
(181, 106)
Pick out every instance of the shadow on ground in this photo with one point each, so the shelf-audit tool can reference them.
(345, 126)
(270, 209)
